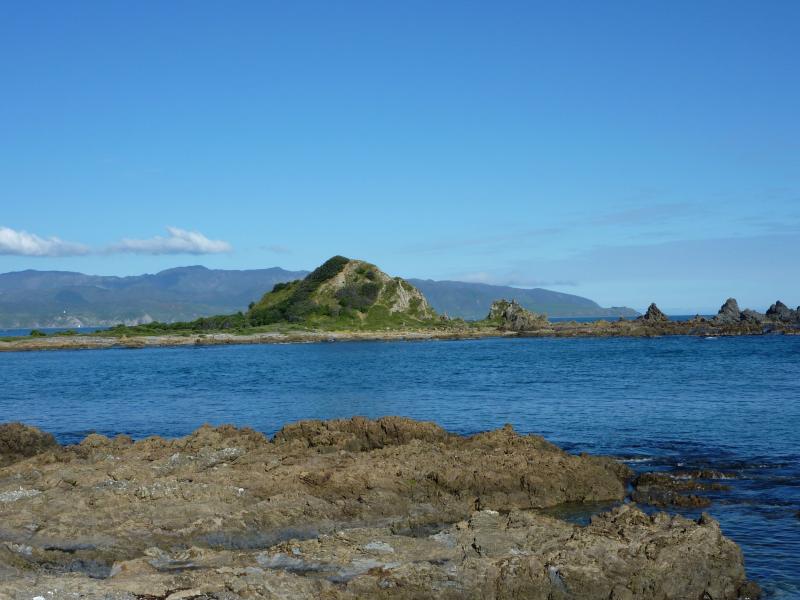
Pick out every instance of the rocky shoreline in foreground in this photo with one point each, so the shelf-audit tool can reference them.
(345, 509)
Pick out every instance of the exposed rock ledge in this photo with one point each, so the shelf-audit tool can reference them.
(347, 509)
(511, 316)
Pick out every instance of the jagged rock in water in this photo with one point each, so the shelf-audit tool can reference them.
(782, 313)
(729, 313)
(653, 315)
(513, 317)
(665, 489)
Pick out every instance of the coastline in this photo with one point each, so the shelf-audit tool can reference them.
(341, 509)
(91, 342)
(554, 330)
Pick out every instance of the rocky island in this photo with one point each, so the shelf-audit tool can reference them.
(346, 509)
(346, 299)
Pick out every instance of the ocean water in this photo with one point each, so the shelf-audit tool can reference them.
(731, 404)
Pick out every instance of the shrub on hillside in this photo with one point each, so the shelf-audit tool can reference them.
(359, 297)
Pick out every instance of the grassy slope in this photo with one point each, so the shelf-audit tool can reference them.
(361, 303)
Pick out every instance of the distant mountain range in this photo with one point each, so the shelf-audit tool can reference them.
(66, 299)
(472, 300)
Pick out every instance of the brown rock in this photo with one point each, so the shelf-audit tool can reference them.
(665, 489)
(18, 441)
(345, 509)
(360, 434)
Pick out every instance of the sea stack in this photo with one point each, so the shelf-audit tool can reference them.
(653, 315)
(728, 313)
(782, 313)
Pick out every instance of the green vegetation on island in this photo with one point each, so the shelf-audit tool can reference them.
(347, 297)
(48, 299)
(342, 294)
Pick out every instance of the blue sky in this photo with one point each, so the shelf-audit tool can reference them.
(625, 151)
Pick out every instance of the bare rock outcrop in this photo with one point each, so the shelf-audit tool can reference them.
(728, 313)
(779, 314)
(653, 315)
(752, 317)
(346, 509)
(783, 314)
(511, 316)
(360, 434)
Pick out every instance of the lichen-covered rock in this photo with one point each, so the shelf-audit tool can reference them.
(512, 316)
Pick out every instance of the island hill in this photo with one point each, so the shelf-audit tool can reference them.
(342, 294)
(347, 299)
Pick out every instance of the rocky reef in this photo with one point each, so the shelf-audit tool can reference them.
(357, 508)
(777, 314)
(730, 320)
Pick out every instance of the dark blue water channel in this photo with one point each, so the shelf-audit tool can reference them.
(731, 404)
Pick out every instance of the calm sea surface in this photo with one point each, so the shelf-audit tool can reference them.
(731, 404)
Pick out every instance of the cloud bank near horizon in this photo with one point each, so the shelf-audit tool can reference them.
(178, 241)
(23, 243)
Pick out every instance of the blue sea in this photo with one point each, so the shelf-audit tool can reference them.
(672, 403)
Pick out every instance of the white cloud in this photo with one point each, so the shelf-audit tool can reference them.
(179, 241)
(22, 243)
